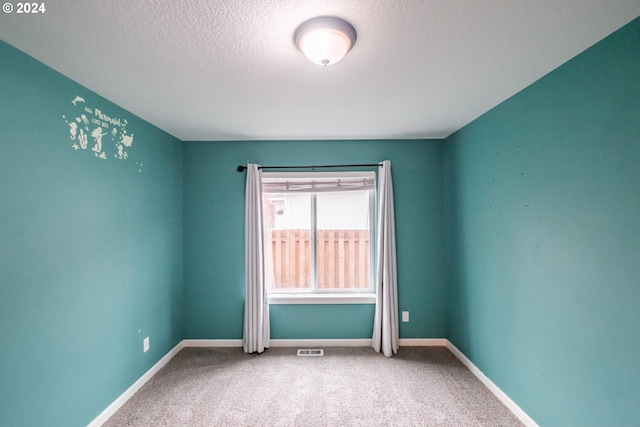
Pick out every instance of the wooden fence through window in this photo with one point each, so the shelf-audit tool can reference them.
(343, 258)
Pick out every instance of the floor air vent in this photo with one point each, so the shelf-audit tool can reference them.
(310, 352)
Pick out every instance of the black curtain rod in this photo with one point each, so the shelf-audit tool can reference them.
(242, 168)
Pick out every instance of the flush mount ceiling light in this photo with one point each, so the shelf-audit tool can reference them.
(325, 40)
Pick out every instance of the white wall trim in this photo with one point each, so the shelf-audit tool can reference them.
(502, 396)
(211, 343)
(319, 298)
(349, 342)
(361, 342)
(122, 399)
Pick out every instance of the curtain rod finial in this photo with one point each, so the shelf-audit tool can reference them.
(241, 168)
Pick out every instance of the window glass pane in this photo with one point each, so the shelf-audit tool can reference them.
(343, 240)
(287, 241)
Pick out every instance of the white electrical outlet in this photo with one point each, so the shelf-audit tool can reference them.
(145, 345)
(405, 316)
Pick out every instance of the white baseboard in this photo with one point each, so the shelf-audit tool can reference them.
(360, 342)
(122, 399)
(363, 342)
(349, 342)
(211, 343)
(502, 396)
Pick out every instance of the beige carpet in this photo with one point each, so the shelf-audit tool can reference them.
(420, 386)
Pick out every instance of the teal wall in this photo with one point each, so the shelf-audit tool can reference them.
(214, 237)
(90, 250)
(543, 208)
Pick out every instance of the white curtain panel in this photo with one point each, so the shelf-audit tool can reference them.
(385, 327)
(255, 336)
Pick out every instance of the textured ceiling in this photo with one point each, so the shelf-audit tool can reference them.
(228, 69)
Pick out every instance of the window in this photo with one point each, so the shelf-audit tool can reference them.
(318, 231)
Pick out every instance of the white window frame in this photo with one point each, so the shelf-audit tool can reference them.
(319, 296)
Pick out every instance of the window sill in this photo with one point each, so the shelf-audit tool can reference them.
(322, 298)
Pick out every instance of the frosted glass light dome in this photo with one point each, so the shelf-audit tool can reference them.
(325, 40)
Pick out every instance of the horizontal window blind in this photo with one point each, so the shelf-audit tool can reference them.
(331, 182)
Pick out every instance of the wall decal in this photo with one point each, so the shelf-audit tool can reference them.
(77, 98)
(109, 136)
